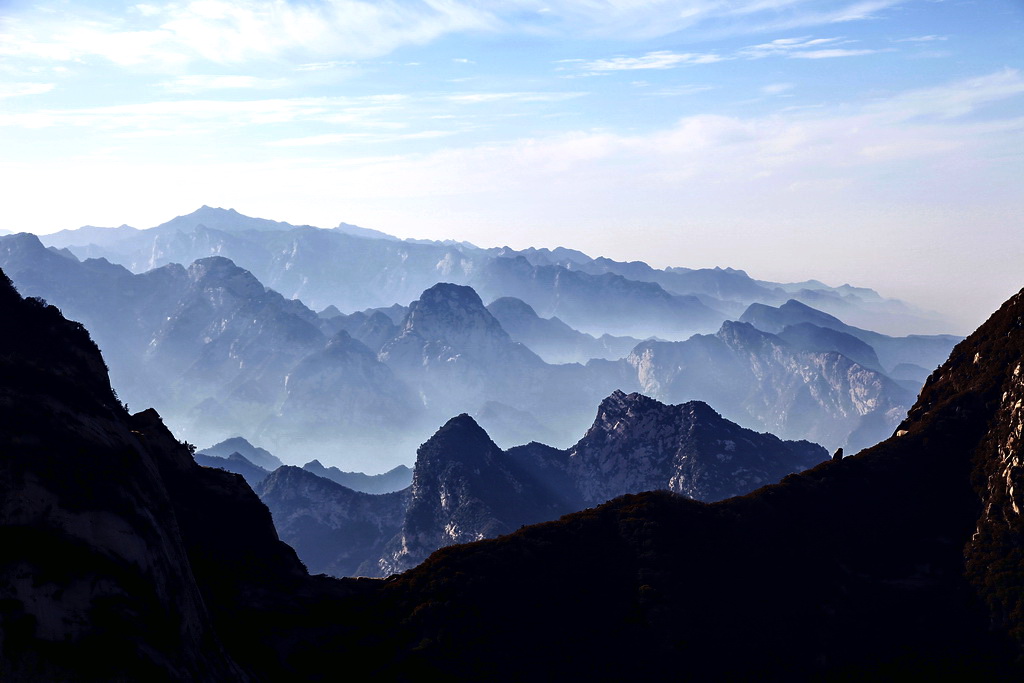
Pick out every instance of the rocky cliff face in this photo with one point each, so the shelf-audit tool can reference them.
(638, 444)
(925, 350)
(759, 380)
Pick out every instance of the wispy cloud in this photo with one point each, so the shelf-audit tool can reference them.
(805, 47)
(953, 100)
(678, 90)
(231, 32)
(321, 34)
(477, 98)
(346, 138)
(661, 59)
(324, 66)
(196, 83)
(832, 53)
(922, 39)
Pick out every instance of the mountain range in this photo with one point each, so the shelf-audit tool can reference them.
(128, 561)
(219, 354)
(359, 269)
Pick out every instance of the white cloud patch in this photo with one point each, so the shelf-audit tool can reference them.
(776, 88)
(22, 89)
(805, 47)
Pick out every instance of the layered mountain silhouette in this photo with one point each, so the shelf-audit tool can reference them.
(394, 479)
(355, 269)
(926, 350)
(236, 444)
(126, 560)
(219, 354)
(236, 463)
(552, 339)
(465, 488)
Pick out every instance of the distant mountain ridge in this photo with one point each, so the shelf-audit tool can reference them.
(394, 479)
(373, 269)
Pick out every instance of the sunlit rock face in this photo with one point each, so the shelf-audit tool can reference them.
(639, 444)
(760, 380)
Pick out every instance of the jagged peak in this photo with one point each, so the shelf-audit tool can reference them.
(621, 407)
(450, 292)
(619, 404)
(459, 438)
(219, 271)
(736, 331)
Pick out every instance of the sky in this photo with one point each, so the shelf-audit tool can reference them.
(876, 142)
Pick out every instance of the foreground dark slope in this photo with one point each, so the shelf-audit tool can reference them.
(124, 559)
(860, 567)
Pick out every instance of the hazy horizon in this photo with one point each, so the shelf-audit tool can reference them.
(870, 142)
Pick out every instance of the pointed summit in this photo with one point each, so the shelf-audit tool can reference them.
(453, 313)
(461, 438)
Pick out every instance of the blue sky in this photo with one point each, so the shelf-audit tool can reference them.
(878, 142)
